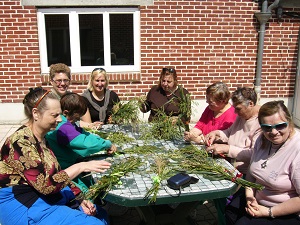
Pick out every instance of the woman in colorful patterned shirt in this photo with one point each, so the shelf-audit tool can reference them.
(34, 189)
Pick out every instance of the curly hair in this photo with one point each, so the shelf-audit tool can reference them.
(59, 68)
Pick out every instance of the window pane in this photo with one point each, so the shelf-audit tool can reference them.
(91, 39)
(58, 39)
(121, 39)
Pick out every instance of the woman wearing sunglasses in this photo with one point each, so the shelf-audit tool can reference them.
(100, 100)
(34, 188)
(275, 163)
(164, 96)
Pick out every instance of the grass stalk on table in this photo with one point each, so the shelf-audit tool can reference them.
(185, 109)
(197, 161)
(97, 132)
(119, 138)
(125, 113)
(106, 182)
(162, 127)
(160, 168)
(144, 149)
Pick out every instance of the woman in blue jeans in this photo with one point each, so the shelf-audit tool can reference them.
(33, 188)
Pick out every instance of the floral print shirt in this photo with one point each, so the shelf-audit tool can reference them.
(25, 161)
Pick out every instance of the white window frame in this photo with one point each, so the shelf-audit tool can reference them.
(75, 41)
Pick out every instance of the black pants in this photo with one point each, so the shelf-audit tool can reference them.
(236, 208)
(282, 220)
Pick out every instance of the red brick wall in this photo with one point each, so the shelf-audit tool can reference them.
(206, 41)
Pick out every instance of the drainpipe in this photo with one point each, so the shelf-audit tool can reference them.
(296, 79)
(263, 17)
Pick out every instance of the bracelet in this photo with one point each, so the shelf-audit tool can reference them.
(270, 213)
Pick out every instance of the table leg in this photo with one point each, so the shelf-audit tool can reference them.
(147, 214)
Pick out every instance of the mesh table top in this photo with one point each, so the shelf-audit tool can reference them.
(134, 186)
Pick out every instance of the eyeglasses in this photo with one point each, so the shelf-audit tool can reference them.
(100, 68)
(170, 70)
(41, 98)
(58, 82)
(278, 126)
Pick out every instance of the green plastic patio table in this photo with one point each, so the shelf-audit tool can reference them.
(132, 191)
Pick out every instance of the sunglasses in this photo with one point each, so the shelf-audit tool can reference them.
(170, 70)
(278, 126)
(100, 68)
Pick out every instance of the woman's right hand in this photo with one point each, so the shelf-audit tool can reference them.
(210, 138)
(99, 166)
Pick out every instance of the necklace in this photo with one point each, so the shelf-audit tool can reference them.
(264, 164)
(97, 97)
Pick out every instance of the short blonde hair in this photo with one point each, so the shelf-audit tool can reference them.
(96, 72)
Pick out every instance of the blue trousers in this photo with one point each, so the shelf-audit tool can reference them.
(12, 212)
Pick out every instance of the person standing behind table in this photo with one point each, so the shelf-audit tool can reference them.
(218, 115)
(275, 164)
(70, 142)
(34, 189)
(60, 77)
(236, 142)
(164, 96)
(100, 100)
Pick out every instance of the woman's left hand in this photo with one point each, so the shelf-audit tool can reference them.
(88, 208)
(256, 210)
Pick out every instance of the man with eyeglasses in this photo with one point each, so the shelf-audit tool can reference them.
(60, 76)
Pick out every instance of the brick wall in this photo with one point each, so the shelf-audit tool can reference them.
(206, 41)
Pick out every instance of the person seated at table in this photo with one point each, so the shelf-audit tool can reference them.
(34, 189)
(240, 137)
(275, 164)
(237, 141)
(100, 100)
(60, 77)
(218, 115)
(164, 96)
(70, 142)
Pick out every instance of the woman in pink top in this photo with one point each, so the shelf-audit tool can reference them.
(275, 163)
(218, 115)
